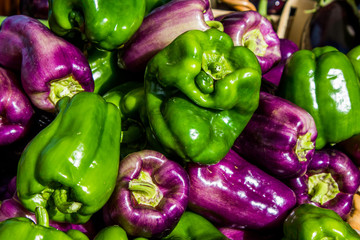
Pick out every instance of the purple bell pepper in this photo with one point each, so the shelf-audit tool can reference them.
(161, 27)
(242, 234)
(287, 48)
(150, 196)
(279, 138)
(254, 31)
(331, 181)
(16, 109)
(50, 67)
(35, 8)
(235, 193)
(11, 208)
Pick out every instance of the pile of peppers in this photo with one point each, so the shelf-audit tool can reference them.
(156, 119)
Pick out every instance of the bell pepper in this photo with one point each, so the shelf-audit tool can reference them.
(108, 24)
(195, 227)
(235, 193)
(34, 8)
(129, 98)
(161, 27)
(15, 107)
(254, 31)
(279, 138)
(150, 196)
(330, 181)
(84, 142)
(354, 56)
(309, 222)
(50, 67)
(324, 83)
(201, 91)
(105, 71)
(12, 208)
(23, 228)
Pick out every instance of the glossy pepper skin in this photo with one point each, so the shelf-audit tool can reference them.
(200, 92)
(23, 228)
(279, 138)
(150, 196)
(50, 67)
(12, 208)
(254, 31)
(236, 193)
(309, 222)
(105, 71)
(324, 83)
(108, 24)
(331, 181)
(84, 142)
(160, 28)
(195, 227)
(354, 56)
(15, 107)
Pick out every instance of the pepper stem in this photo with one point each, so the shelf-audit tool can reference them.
(303, 146)
(66, 86)
(215, 65)
(60, 197)
(215, 24)
(145, 190)
(254, 40)
(322, 187)
(42, 216)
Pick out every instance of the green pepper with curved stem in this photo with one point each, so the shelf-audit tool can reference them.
(62, 168)
(106, 23)
(201, 91)
(323, 82)
(24, 228)
(309, 222)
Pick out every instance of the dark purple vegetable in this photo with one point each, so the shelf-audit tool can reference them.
(16, 109)
(235, 193)
(50, 68)
(35, 8)
(330, 182)
(11, 208)
(150, 196)
(287, 48)
(242, 234)
(279, 138)
(161, 27)
(254, 31)
(336, 24)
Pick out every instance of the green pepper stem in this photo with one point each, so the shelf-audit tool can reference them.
(145, 190)
(303, 146)
(215, 24)
(322, 187)
(66, 86)
(60, 197)
(262, 8)
(42, 216)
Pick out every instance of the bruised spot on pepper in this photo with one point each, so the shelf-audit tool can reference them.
(62, 87)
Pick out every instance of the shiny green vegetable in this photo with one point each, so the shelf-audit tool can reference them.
(309, 222)
(201, 91)
(324, 83)
(63, 168)
(24, 228)
(106, 23)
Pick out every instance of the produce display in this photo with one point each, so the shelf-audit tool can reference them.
(159, 119)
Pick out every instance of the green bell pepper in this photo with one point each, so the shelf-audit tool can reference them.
(106, 23)
(324, 83)
(309, 222)
(152, 4)
(195, 227)
(20, 228)
(70, 167)
(104, 68)
(111, 232)
(129, 98)
(354, 56)
(201, 91)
